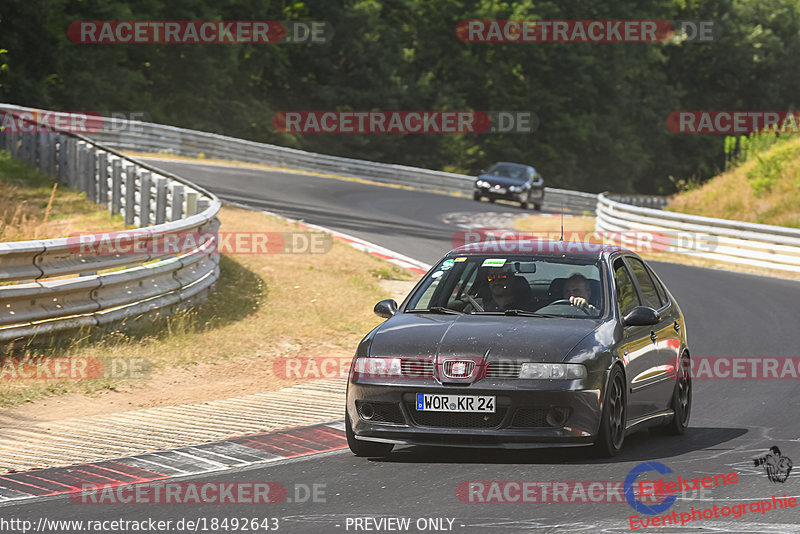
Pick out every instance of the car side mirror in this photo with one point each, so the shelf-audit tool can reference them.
(385, 308)
(641, 316)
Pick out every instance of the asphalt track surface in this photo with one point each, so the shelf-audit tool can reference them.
(733, 421)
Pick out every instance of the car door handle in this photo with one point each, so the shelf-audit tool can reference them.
(653, 336)
(677, 326)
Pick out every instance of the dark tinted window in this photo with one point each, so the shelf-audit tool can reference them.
(626, 292)
(649, 294)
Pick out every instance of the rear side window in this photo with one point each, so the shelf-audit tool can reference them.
(662, 293)
(648, 288)
(626, 292)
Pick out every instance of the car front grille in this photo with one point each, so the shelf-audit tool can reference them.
(503, 369)
(416, 367)
(456, 420)
(530, 418)
(382, 412)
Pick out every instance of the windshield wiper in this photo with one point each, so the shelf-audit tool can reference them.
(516, 312)
(526, 313)
(442, 309)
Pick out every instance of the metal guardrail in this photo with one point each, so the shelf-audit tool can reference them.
(56, 285)
(150, 137)
(758, 245)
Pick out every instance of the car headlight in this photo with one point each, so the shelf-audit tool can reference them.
(482, 183)
(515, 189)
(563, 371)
(376, 368)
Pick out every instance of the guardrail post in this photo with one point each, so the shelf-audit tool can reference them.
(144, 199)
(102, 178)
(44, 151)
(161, 200)
(191, 203)
(177, 202)
(80, 165)
(129, 208)
(83, 168)
(116, 186)
(16, 149)
(92, 174)
(52, 155)
(72, 156)
(23, 147)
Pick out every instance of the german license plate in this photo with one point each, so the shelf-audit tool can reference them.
(455, 403)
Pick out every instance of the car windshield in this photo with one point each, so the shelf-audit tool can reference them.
(507, 171)
(512, 285)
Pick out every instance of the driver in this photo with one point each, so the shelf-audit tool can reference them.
(578, 292)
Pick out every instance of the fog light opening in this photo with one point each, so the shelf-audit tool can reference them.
(557, 416)
(367, 411)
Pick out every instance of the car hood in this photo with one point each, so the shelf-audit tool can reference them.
(494, 337)
(501, 180)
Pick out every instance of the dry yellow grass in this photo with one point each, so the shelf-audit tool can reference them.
(24, 196)
(735, 195)
(539, 223)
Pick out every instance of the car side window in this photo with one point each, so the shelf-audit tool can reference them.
(626, 292)
(646, 285)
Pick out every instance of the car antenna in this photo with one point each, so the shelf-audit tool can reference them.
(562, 220)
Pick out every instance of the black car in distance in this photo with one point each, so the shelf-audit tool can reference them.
(511, 181)
(545, 344)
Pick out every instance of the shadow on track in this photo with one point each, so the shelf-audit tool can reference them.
(638, 447)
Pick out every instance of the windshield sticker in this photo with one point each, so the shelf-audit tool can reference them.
(493, 262)
(437, 274)
(447, 264)
(460, 259)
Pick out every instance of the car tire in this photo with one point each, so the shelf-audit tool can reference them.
(491, 200)
(476, 196)
(364, 448)
(523, 204)
(537, 207)
(681, 400)
(612, 420)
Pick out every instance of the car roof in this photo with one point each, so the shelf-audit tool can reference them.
(542, 247)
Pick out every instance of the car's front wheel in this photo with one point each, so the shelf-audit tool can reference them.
(612, 422)
(476, 196)
(364, 448)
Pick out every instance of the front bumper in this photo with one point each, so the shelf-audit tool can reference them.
(520, 420)
(536, 195)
